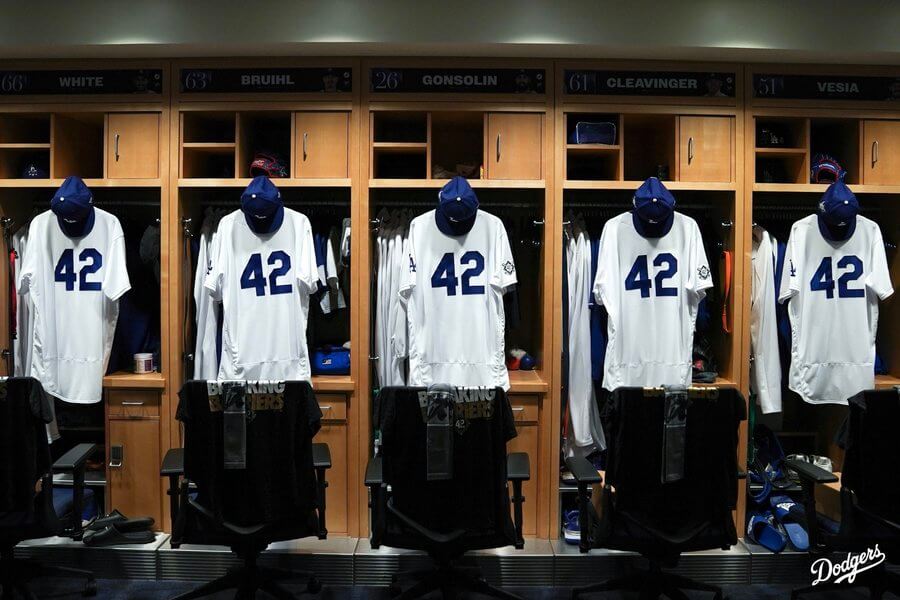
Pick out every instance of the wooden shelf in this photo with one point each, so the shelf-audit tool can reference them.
(574, 184)
(332, 383)
(821, 187)
(886, 381)
(594, 148)
(210, 147)
(521, 382)
(400, 147)
(782, 151)
(43, 146)
(123, 379)
(91, 183)
(242, 182)
(475, 183)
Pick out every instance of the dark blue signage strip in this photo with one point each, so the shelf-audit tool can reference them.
(826, 87)
(266, 80)
(581, 82)
(81, 81)
(398, 80)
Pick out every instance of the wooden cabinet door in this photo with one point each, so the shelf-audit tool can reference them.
(134, 483)
(514, 145)
(321, 144)
(132, 145)
(705, 151)
(881, 152)
(525, 413)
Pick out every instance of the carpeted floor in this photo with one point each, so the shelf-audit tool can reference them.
(120, 589)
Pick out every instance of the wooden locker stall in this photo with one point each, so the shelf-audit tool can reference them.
(106, 122)
(425, 121)
(794, 113)
(305, 112)
(679, 122)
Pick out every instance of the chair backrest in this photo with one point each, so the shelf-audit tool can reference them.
(277, 484)
(872, 452)
(647, 514)
(475, 499)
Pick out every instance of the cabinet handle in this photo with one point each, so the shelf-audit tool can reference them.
(690, 149)
(518, 409)
(116, 456)
(125, 403)
(498, 147)
(874, 152)
(325, 408)
(117, 147)
(305, 142)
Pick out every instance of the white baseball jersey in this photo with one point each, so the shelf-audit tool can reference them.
(264, 282)
(206, 360)
(453, 289)
(834, 288)
(75, 285)
(651, 288)
(765, 369)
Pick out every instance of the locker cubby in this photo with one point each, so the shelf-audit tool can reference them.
(400, 126)
(782, 150)
(714, 212)
(24, 128)
(838, 138)
(594, 162)
(77, 145)
(400, 145)
(202, 126)
(457, 144)
(519, 209)
(649, 143)
(208, 144)
(266, 132)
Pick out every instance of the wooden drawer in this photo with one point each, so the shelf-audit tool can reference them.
(333, 406)
(705, 148)
(321, 144)
(513, 145)
(524, 408)
(132, 403)
(132, 145)
(133, 482)
(881, 152)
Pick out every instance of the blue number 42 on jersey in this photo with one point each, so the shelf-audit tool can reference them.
(89, 262)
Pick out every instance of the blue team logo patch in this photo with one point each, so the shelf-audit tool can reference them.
(703, 272)
(412, 265)
(509, 268)
(793, 270)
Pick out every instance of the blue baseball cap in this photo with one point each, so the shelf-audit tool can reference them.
(73, 206)
(457, 207)
(262, 206)
(838, 208)
(653, 205)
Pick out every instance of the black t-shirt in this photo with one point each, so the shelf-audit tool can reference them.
(279, 481)
(697, 507)
(24, 411)
(476, 498)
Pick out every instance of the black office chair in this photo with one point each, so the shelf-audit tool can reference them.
(198, 518)
(870, 495)
(641, 513)
(40, 519)
(445, 545)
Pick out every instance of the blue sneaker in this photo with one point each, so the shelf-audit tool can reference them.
(571, 528)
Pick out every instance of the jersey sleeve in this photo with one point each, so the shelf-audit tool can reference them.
(215, 268)
(789, 285)
(879, 278)
(26, 273)
(116, 281)
(699, 275)
(408, 268)
(307, 269)
(606, 265)
(504, 274)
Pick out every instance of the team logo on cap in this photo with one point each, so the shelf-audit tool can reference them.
(509, 268)
(703, 272)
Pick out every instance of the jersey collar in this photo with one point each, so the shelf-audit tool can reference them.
(652, 230)
(78, 229)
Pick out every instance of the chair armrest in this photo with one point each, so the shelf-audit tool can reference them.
(321, 456)
(583, 470)
(173, 463)
(374, 475)
(809, 472)
(518, 467)
(74, 459)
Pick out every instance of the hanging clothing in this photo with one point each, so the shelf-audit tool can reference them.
(765, 368)
(207, 345)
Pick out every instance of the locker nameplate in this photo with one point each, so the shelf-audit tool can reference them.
(826, 87)
(59, 82)
(266, 80)
(584, 82)
(399, 80)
